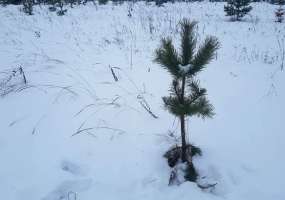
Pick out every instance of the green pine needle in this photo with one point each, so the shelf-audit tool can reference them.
(188, 41)
(167, 57)
(204, 55)
(187, 99)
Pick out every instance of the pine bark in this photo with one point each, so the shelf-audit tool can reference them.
(182, 123)
(183, 138)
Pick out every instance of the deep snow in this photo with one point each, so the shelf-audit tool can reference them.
(74, 132)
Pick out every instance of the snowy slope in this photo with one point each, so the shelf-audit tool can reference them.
(73, 132)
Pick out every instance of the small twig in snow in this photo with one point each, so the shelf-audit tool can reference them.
(113, 73)
(23, 73)
(145, 105)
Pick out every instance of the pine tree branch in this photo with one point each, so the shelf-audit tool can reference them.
(167, 57)
(204, 55)
(201, 108)
(188, 41)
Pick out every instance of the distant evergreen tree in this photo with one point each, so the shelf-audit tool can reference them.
(160, 2)
(277, 2)
(237, 9)
(3, 2)
(187, 98)
(71, 2)
(103, 2)
(8, 2)
(280, 11)
(118, 2)
(52, 4)
(61, 11)
(28, 7)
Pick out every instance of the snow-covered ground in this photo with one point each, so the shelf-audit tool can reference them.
(73, 132)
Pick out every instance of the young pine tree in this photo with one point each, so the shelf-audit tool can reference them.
(237, 9)
(187, 98)
(280, 11)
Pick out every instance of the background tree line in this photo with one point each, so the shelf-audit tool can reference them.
(235, 9)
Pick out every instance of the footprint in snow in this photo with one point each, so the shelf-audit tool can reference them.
(72, 168)
(69, 189)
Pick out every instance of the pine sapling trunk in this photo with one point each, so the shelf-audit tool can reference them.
(183, 138)
(182, 123)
